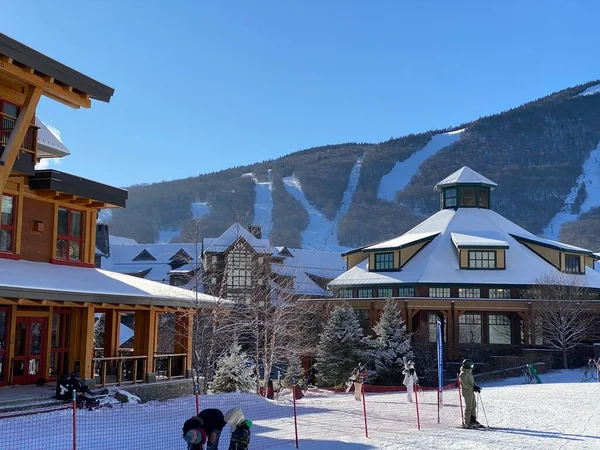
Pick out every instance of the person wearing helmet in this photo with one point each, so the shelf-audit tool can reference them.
(469, 388)
(240, 435)
(206, 428)
(359, 376)
(410, 378)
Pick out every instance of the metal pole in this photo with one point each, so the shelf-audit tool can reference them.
(483, 408)
(462, 414)
(295, 414)
(417, 405)
(74, 396)
(364, 409)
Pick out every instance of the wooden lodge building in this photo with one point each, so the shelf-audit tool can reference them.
(50, 290)
(466, 266)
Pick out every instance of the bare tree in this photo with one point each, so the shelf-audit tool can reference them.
(564, 311)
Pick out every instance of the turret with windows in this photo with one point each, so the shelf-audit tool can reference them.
(465, 188)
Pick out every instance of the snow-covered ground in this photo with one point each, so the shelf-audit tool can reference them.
(590, 177)
(321, 233)
(263, 203)
(591, 90)
(554, 415)
(199, 210)
(402, 172)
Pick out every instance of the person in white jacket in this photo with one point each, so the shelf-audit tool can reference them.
(410, 378)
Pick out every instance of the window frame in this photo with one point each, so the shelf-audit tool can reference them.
(495, 296)
(482, 259)
(572, 270)
(470, 325)
(369, 290)
(386, 262)
(238, 268)
(403, 292)
(450, 197)
(12, 227)
(68, 238)
(389, 290)
(437, 289)
(505, 324)
(473, 293)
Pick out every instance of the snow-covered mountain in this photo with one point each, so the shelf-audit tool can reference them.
(544, 155)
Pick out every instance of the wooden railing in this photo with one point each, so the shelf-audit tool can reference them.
(29, 144)
(170, 365)
(120, 369)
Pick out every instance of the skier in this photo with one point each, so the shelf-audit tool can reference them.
(469, 388)
(207, 425)
(358, 377)
(410, 378)
(240, 434)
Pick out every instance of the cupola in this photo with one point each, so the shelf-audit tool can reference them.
(465, 188)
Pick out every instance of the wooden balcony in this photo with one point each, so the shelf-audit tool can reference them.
(27, 158)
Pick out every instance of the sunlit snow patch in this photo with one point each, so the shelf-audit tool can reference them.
(591, 90)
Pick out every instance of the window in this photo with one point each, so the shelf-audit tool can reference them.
(499, 293)
(500, 329)
(7, 226)
(213, 281)
(572, 263)
(345, 293)
(385, 292)
(450, 198)
(214, 259)
(384, 261)
(439, 292)
(239, 269)
(59, 353)
(69, 234)
(484, 198)
(365, 293)
(482, 259)
(469, 329)
(144, 255)
(261, 260)
(8, 118)
(467, 196)
(406, 292)
(432, 319)
(469, 293)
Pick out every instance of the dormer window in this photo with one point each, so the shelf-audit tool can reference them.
(572, 263)
(482, 259)
(450, 198)
(384, 261)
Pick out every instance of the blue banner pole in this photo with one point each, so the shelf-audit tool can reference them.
(440, 361)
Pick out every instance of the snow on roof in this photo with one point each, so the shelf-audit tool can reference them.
(465, 175)
(303, 284)
(467, 240)
(232, 234)
(49, 145)
(125, 333)
(315, 262)
(550, 243)
(119, 240)
(437, 263)
(401, 241)
(44, 281)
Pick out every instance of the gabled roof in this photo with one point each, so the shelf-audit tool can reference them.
(231, 235)
(551, 244)
(467, 240)
(144, 255)
(465, 175)
(48, 144)
(181, 255)
(406, 240)
(437, 262)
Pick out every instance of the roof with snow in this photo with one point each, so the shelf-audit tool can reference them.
(44, 281)
(465, 175)
(437, 262)
(231, 235)
(49, 146)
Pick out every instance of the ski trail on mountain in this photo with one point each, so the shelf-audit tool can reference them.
(590, 177)
(321, 233)
(263, 204)
(403, 171)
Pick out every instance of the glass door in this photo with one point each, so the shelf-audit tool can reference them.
(3, 342)
(29, 347)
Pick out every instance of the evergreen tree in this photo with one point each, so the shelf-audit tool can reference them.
(294, 371)
(341, 347)
(391, 345)
(99, 327)
(233, 373)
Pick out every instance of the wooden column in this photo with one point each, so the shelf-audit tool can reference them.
(184, 336)
(145, 336)
(81, 346)
(12, 331)
(112, 325)
(525, 316)
(11, 150)
(456, 332)
(48, 349)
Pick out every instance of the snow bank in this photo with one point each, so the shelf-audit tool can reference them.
(403, 171)
(590, 91)
(199, 210)
(321, 233)
(590, 177)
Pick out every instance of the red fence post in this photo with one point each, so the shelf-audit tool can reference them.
(462, 414)
(197, 392)
(365, 410)
(74, 396)
(295, 415)
(417, 405)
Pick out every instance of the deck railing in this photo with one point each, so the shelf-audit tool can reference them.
(119, 370)
(170, 365)
(29, 144)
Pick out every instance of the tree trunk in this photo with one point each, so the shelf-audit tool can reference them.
(564, 355)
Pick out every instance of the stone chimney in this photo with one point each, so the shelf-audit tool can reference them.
(256, 231)
(102, 238)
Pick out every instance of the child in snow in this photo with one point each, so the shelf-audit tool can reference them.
(240, 435)
(469, 388)
(410, 379)
(359, 376)
(205, 427)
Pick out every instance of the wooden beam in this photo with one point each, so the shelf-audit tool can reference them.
(6, 59)
(79, 201)
(27, 69)
(64, 197)
(46, 193)
(51, 90)
(11, 151)
(96, 205)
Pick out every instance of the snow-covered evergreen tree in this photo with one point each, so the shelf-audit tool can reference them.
(294, 371)
(341, 347)
(233, 373)
(391, 345)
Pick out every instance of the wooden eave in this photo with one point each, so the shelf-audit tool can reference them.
(57, 81)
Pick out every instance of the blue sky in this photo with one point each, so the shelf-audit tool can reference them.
(206, 85)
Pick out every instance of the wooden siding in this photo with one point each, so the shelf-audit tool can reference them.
(37, 245)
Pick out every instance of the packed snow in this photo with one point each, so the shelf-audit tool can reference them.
(321, 233)
(590, 177)
(403, 171)
(591, 90)
(199, 210)
(263, 204)
(554, 415)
